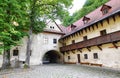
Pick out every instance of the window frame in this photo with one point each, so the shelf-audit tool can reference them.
(103, 32)
(54, 41)
(68, 57)
(105, 11)
(15, 52)
(85, 56)
(95, 55)
(85, 38)
(73, 41)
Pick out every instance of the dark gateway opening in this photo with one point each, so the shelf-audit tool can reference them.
(51, 57)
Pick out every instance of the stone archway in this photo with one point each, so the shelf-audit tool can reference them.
(52, 56)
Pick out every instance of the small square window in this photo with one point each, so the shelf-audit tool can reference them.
(103, 32)
(45, 40)
(95, 56)
(73, 41)
(85, 21)
(54, 41)
(68, 57)
(15, 52)
(85, 38)
(85, 56)
(50, 26)
(105, 11)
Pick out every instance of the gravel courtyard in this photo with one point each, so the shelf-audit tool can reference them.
(61, 71)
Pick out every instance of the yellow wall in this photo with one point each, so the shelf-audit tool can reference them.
(107, 56)
(111, 27)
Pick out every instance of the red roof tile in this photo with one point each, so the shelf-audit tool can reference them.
(94, 16)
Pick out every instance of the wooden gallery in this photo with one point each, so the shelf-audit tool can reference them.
(95, 38)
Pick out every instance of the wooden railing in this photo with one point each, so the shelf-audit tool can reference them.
(109, 38)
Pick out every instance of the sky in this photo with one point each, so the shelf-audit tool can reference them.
(77, 4)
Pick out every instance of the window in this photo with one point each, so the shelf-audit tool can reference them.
(73, 27)
(85, 56)
(86, 19)
(15, 52)
(23, 62)
(103, 32)
(45, 40)
(52, 27)
(68, 57)
(105, 11)
(54, 41)
(85, 38)
(95, 56)
(73, 41)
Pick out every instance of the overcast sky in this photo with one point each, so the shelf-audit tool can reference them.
(77, 4)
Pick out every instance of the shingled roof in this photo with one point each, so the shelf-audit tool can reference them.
(95, 16)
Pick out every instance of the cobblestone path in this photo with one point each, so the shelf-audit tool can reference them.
(61, 71)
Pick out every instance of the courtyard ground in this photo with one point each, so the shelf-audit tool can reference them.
(61, 71)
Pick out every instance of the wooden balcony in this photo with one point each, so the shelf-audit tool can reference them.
(109, 38)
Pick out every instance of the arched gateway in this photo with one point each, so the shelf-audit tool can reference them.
(52, 56)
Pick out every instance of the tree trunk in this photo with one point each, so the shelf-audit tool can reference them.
(32, 17)
(6, 59)
(27, 61)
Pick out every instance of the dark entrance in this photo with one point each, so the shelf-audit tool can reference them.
(78, 56)
(51, 57)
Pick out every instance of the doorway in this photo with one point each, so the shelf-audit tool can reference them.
(51, 57)
(78, 57)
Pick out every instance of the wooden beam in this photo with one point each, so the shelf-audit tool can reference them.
(88, 49)
(119, 14)
(114, 18)
(80, 50)
(101, 22)
(97, 25)
(67, 52)
(99, 46)
(86, 30)
(77, 33)
(114, 44)
(73, 51)
(89, 28)
(63, 53)
(81, 31)
(108, 20)
(92, 27)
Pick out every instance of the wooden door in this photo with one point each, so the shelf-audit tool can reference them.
(78, 57)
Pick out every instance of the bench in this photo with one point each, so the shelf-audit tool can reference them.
(86, 63)
(95, 64)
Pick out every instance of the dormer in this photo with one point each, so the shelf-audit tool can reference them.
(105, 9)
(85, 19)
(73, 27)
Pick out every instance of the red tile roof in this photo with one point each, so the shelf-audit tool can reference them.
(95, 16)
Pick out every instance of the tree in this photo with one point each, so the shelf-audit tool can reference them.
(12, 21)
(39, 12)
(21, 18)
